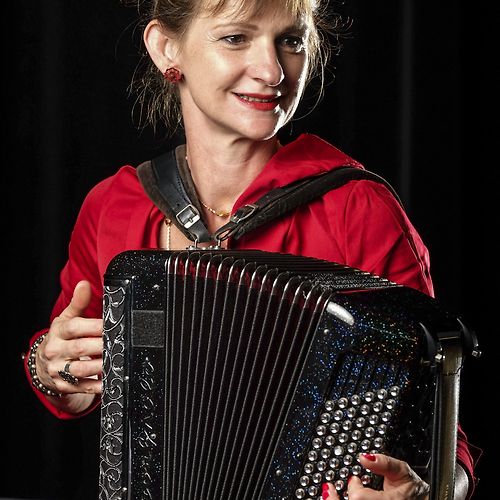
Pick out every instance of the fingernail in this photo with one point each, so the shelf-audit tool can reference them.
(369, 456)
(349, 479)
(325, 494)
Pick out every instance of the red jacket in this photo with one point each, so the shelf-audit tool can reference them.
(360, 224)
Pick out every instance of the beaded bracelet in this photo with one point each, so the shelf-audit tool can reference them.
(32, 369)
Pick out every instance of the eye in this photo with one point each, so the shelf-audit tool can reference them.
(292, 43)
(234, 39)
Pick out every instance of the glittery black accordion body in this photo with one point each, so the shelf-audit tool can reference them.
(254, 375)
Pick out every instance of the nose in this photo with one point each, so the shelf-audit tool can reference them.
(266, 65)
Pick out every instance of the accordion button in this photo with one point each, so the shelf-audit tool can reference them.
(356, 400)
(300, 493)
(325, 418)
(329, 440)
(343, 438)
(347, 425)
(369, 432)
(360, 422)
(334, 428)
(321, 430)
(343, 403)
(304, 481)
(351, 412)
(329, 405)
(329, 475)
(334, 463)
(356, 470)
(352, 447)
(339, 485)
(365, 444)
(356, 435)
(386, 416)
(394, 391)
(344, 473)
(365, 410)
(382, 394)
(312, 490)
(312, 455)
(382, 429)
(369, 397)
(321, 465)
(308, 468)
(390, 404)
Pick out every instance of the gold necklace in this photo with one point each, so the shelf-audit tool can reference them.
(215, 212)
(168, 223)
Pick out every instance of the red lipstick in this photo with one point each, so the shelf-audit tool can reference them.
(261, 102)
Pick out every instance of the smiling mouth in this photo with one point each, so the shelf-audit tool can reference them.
(253, 98)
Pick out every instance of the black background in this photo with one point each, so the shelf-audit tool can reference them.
(411, 96)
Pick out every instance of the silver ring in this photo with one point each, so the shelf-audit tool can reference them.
(67, 376)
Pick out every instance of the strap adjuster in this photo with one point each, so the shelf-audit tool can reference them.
(243, 213)
(188, 216)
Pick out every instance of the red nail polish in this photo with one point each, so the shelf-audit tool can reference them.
(325, 494)
(349, 479)
(370, 456)
(324, 487)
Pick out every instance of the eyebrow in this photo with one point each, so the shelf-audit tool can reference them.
(255, 27)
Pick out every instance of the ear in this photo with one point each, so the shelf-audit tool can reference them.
(161, 47)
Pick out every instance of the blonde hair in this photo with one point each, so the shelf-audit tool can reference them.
(157, 99)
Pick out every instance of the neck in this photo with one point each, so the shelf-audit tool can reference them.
(222, 171)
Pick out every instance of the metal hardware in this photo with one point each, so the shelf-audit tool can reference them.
(188, 216)
(249, 209)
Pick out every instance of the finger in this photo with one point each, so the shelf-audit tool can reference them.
(77, 348)
(75, 328)
(84, 386)
(392, 469)
(82, 295)
(329, 492)
(84, 369)
(355, 489)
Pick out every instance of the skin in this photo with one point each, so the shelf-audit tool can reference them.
(226, 61)
(400, 482)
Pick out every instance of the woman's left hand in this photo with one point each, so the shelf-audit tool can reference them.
(400, 481)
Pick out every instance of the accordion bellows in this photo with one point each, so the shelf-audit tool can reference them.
(255, 375)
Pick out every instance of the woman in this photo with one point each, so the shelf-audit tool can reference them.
(238, 70)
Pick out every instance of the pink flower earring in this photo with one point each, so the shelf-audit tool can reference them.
(172, 75)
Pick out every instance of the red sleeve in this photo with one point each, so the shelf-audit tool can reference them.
(81, 264)
(381, 239)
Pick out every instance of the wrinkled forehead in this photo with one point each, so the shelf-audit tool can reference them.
(301, 10)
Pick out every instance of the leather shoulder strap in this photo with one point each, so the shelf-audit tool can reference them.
(162, 182)
(282, 200)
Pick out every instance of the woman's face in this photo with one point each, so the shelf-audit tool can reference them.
(243, 77)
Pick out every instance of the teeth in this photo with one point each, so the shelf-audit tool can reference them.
(255, 99)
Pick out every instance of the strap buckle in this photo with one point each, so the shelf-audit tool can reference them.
(243, 213)
(188, 216)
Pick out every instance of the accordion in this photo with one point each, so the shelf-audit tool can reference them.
(257, 375)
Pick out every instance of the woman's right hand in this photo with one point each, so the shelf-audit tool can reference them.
(78, 341)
